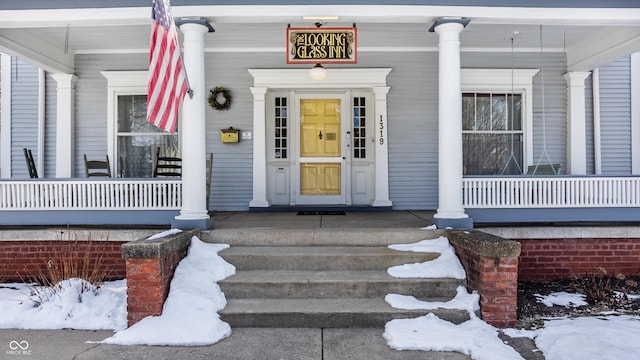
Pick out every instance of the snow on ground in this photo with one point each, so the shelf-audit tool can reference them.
(462, 300)
(475, 337)
(602, 338)
(26, 306)
(190, 314)
(195, 296)
(446, 265)
(164, 233)
(562, 298)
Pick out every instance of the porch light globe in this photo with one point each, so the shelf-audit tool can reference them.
(318, 73)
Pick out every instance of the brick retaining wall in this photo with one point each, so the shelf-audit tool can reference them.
(150, 265)
(549, 259)
(491, 264)
(25, 260)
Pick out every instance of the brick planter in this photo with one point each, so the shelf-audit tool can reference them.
(491, 264)
(150, 265)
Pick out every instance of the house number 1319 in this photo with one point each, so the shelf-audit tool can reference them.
(381, 127)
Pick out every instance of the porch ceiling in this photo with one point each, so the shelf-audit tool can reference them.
(590, 37)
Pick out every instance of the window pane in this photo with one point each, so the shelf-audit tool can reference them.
(498, 110)
(483, 112)
(136, 153)
(468, 111)
(490, 154)
(515, 123)
(132, 114)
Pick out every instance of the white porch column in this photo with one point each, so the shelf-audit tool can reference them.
(450, 210)
(576, 127)
(65, 124)
(259, 148)
(193, 130)
(5, 117)
(382, 148)
(635, 113)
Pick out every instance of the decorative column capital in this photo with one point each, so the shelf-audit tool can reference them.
(576, 78)
(258, 92)
(381, 91)
(462, 21)
(65, 80)
(195, 20)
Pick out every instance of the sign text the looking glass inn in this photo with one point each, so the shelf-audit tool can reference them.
(318, 45)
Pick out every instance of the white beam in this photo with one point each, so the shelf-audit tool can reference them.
(39, 52)
(602, 47)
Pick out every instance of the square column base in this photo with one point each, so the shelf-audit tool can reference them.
(460, 223)
(202, 224)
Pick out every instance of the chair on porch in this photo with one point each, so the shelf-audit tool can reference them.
(31, 165)
(97, 168)
(543, 169)
(167, 166)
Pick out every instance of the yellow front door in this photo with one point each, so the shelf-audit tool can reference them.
(320, 148)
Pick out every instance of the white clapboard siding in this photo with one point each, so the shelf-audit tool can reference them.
(24, 115)
(615, 119)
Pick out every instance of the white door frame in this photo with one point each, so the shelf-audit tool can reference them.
(374, 79)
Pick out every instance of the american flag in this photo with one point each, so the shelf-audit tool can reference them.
(167, 77)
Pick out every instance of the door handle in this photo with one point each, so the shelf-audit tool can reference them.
(320, 135)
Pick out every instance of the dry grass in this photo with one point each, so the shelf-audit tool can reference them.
(76, 259)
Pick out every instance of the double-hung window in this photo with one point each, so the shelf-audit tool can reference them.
(132, 141)
(492, 133)
(138, 140)
(497, 117)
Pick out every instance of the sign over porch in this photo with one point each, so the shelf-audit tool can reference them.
(322, 45)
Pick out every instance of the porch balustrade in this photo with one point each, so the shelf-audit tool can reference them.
(551, 192)
(165, 194)
(104, 194)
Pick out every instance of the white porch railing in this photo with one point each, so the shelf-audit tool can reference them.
(551, 192)
(105, 194)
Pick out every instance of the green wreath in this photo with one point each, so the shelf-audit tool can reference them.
(213, 98)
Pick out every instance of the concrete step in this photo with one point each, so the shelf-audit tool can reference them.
(289, 284)
(317, 237)
(322, 313)
(320, 258)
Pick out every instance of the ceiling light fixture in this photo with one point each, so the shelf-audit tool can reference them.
(318, 73)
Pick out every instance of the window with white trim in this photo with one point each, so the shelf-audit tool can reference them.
(492, 134)
(281, 135)
(497, 120)
(138, 140)
(132, 141)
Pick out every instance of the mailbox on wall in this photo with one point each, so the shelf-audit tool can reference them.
(230, 135)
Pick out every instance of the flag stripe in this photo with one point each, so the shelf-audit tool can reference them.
(167, 77)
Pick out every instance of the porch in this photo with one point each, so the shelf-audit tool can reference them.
(506, 199)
